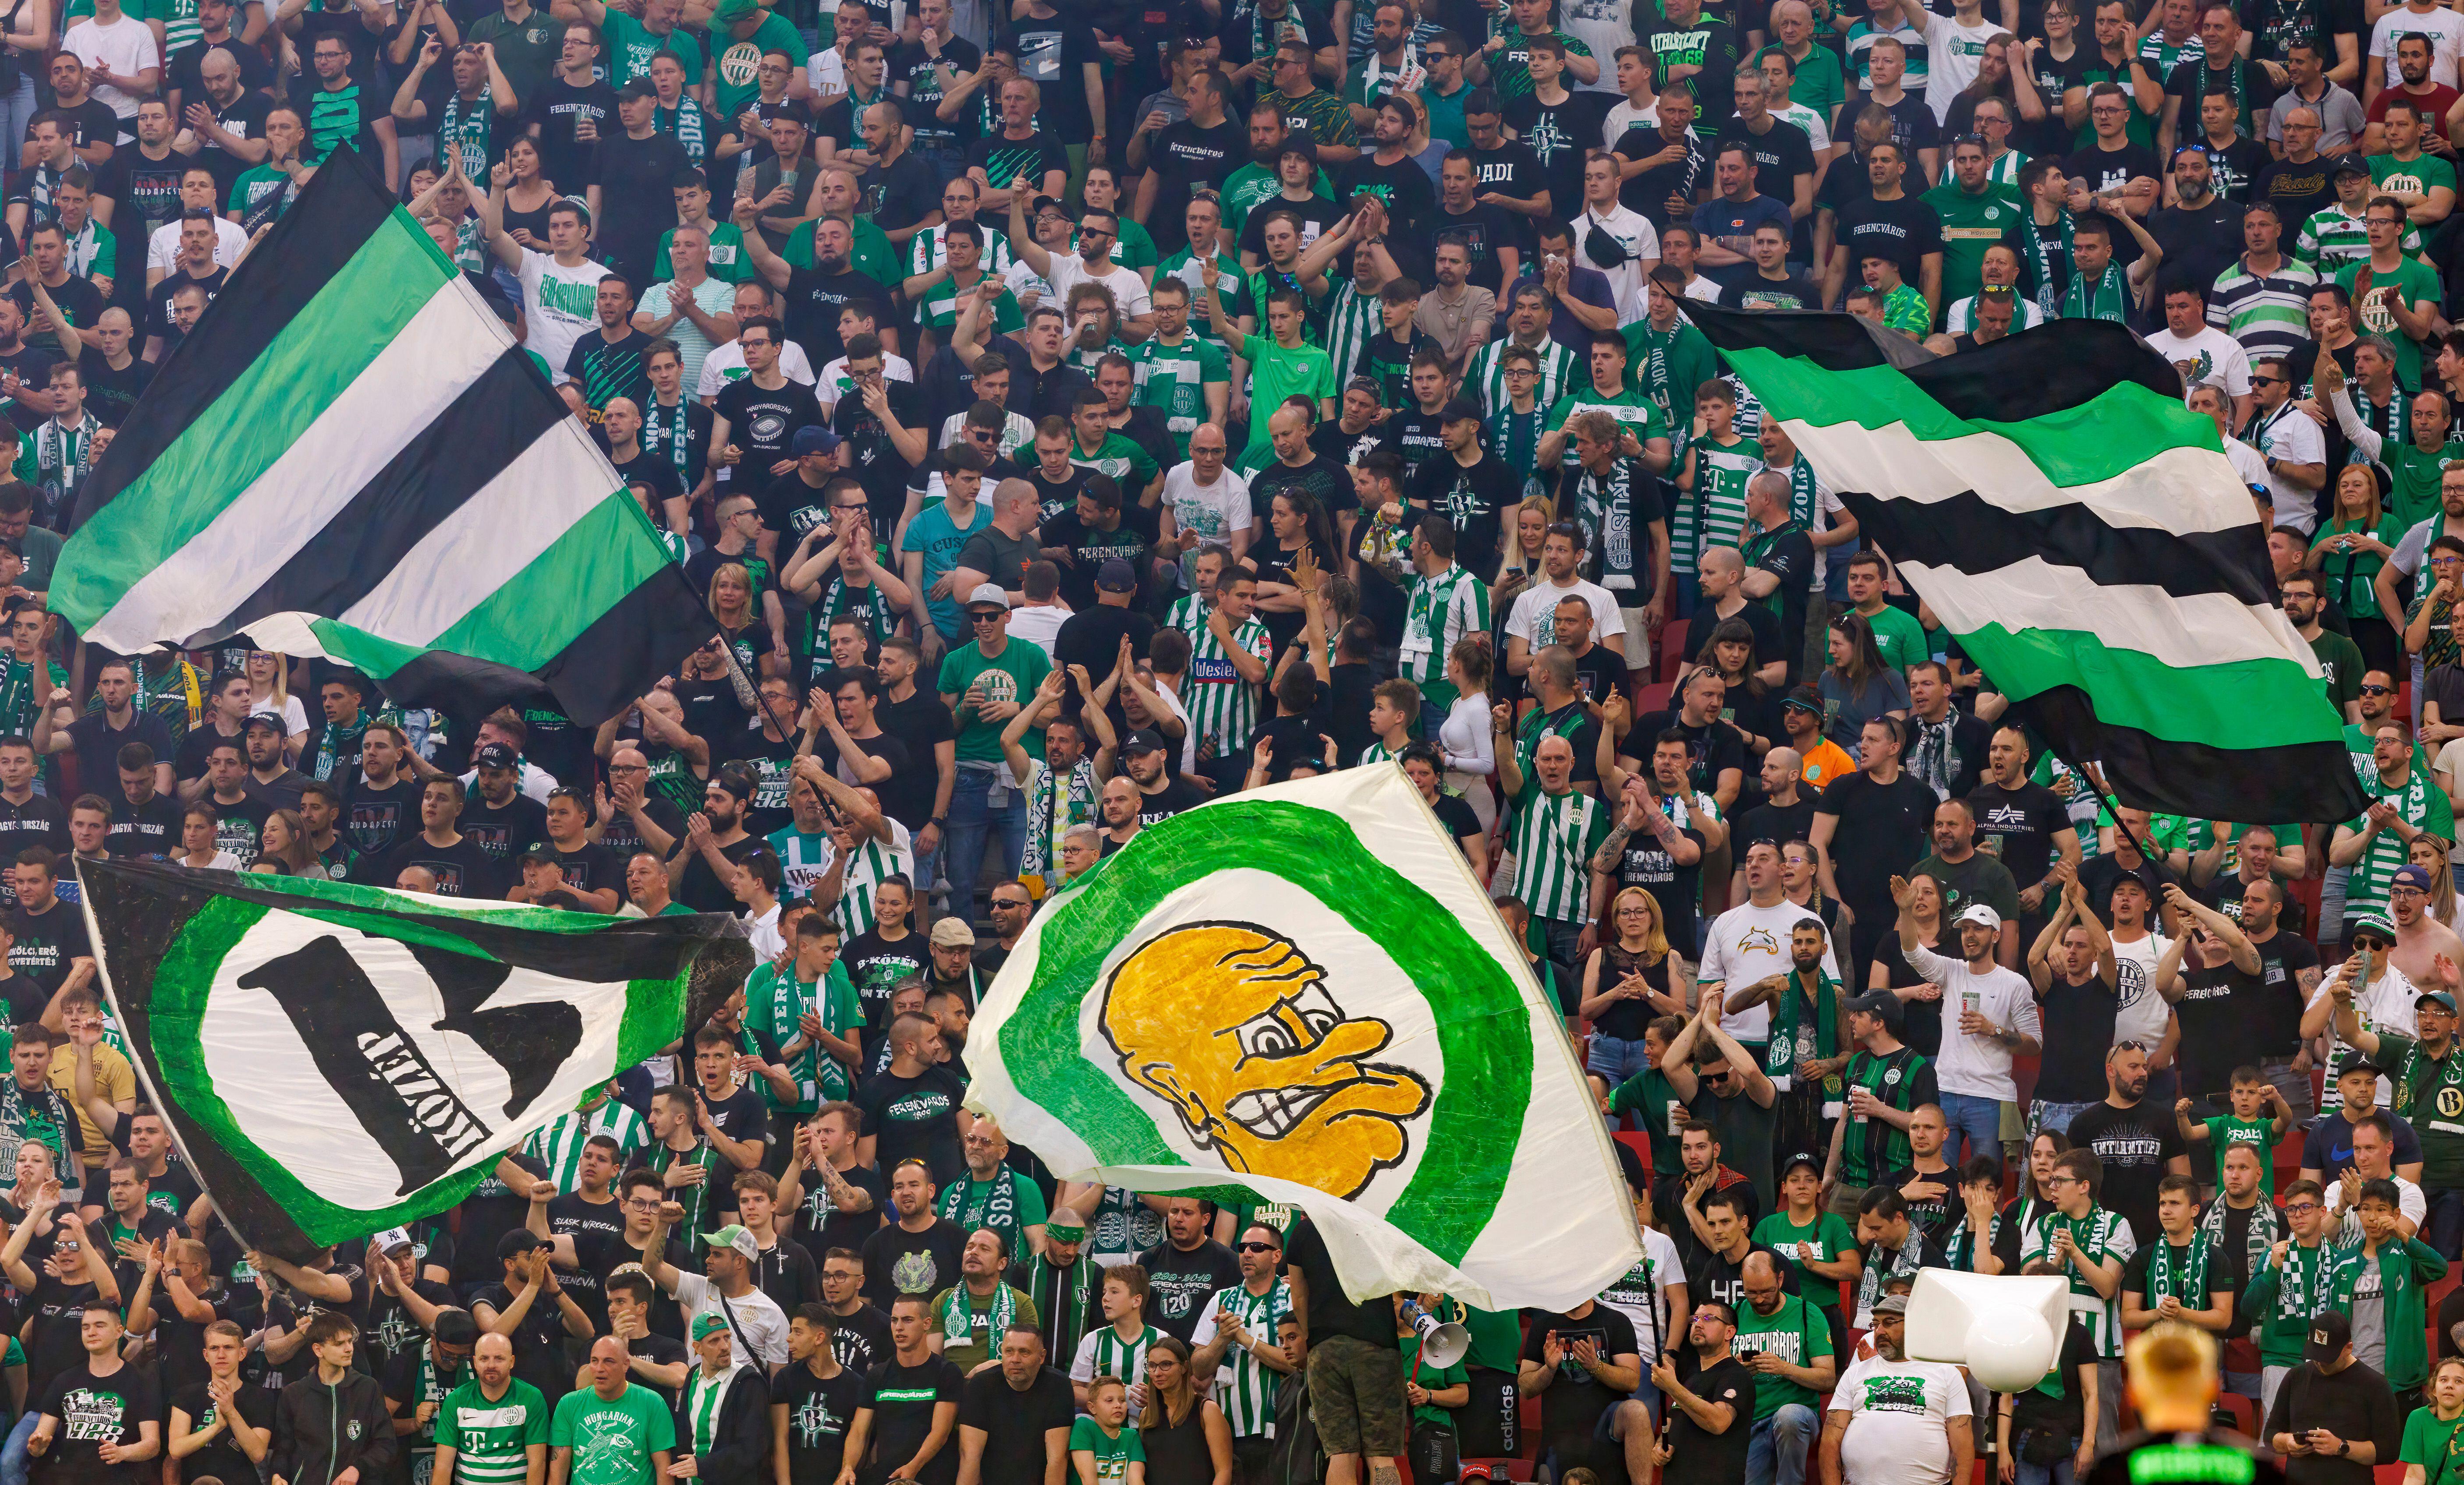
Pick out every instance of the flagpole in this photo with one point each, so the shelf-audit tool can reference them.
(143, 1067)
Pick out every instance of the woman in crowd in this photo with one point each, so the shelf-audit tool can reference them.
(1463, 740)
(1420, 761)
(732, 605)
(1625, 984)
(1859, 684)
(1919, 998)
(2349, 553)
(284, 849)
(1187, 1440)
(1729, 652)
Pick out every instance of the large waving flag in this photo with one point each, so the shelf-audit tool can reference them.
(350, 456)
(2081, 532)
(336, 1059)
(1300, 995)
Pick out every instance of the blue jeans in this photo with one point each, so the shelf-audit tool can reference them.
(1776, 1449)
(1979, 1120)
(1615, 1058)
(973, 817)
(2058, 1473)
(2446, 1223)
(15, 1464)
(2044, 1114)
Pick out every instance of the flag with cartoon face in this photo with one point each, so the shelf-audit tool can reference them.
(1301, 995)
(335, 1059)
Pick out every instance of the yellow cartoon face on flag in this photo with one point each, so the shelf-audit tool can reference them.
(1235, 1026)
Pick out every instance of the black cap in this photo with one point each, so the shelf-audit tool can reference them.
(1459, 409)
(456, 1327)
(538, 853)
(1143, 740)
(1880, 1003)
(2349, 164)
(495, 755)
(518, 1240)
(635, 91)
(2330, 1332)
(1300, 145)
(1810, 1161)
(2360, 1062)
(264, 719)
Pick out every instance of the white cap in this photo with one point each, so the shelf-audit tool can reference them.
(1981, 915)
(390, 1238)
(988, 593)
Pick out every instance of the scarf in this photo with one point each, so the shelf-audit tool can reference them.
(1604, 507)
(1779, 1057)
(1934, 759)
(2040, 261)
(999, 1209)
(2309, 1275)
(1059, 1292)
(959, 1319)
(673, 443)
(2109, 298)
(63, 456)
(468, 129)
(2260, 1235)
(685, 122)
(2179, 1277)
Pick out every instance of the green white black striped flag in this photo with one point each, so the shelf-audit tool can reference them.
(2081, 534)
(336, 1059)
(351, 456)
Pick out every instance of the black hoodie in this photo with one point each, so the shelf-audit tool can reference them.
(321, 1430)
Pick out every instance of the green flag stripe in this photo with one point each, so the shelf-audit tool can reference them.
(531, 619)
(2256, 703)
(268, 406)
(2101, 439)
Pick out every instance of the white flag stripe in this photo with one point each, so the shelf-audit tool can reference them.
(2203, 629)
(412, 381)
(2179, 490)
(485, 543)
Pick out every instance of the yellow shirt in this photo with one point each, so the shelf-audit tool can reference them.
(113, 1078)
(1826, 764)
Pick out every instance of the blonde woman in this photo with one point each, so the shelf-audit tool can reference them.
(269, 681)
(1518, 568)
(2427, 853)
(733, 603)
(1627, 982)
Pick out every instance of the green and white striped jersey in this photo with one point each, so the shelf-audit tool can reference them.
(1223, 708)
(1188, 614)
(2424, 806)
(491, 1440)
(1441, 610)
(873, 862)
(559, 1144)
(930, 248)
(1105, 1354)
(1560, 370)
(2099, 1235)
(2332, 241)
(774, 1003)
(1351, 321)
(1555, 835)
(1243, 1388)
(802, 860)
(1174, 379)
(1713, 512)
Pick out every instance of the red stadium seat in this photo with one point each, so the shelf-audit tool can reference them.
(1672, 649)
(1653, 697)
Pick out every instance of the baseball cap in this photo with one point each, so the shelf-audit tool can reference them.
(2439, 996)
(2349, 164)
(1043, 204)
(2412, 874)
(264, 719)
(1898, 1305)
(2330, 1332)
(952, 932)
(635, 91)
(2360, 1062)
(737, 1237)
(538, 853)
(1117, 575)
(709, 1324)
(988, 595)
(1982, 916)
(1460, 409)
(1801, 1158)
(1142, 740)
(391, 1238)
(1877, 1003)
(1804, 699)
(493, 755)
(813, 440)
(519, 1239)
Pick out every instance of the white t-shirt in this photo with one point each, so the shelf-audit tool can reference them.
(2410, 1205)
(1633, 232)
(1637, 1295)
(295, 716)
(834, 382)
(1623, 114)
(1535, 617)
(759, 1326)
(1954, 53)
(2210, 353)
(1963, 316)
(1038, 626)
(2444, 26)
(1603, 25)
(2383, 1004)
(2250, 467)
(2289, 438)
(1898, 1417)
(533, 782)
(126, 46)
(1817, 133)
(162, 249)
(1746, 944)
(1214, 512)
(2139, 1012)
(560, 303)
(725, 363)
(1967, 1064)
(1129, 290)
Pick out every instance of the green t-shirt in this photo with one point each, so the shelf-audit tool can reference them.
(1822, 1241)
(613, 1442)
(2430, 1442)
(2225, 1132)
(630, 46)
(1174, 379)
(1971, 224)
(2423, 174)
(1818, 82)
(260, 195)
(1436, 1379)
(1114, 1452)
(1797, 1332)
(1013, 675)
(1275, 374)
(1121, 460)
(741, 61)
(2415, 281)
(1898, 635)
(940, 308)
(491, 1440)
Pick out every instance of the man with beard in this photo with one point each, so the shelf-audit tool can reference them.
(1064, 1287)
(1161, 797)
(1785, 1339)
(2137, 1143)
(990, 1194)
(1710, 1403)
(1578, 1364)
(1889, 1413)
(860, 1337)
(972, 1317)
(502, 820)
(1186, 1268)
(424, 1374)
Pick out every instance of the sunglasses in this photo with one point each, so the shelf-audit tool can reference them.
(2378, 690)
(2260, 381)
(1257, 1247)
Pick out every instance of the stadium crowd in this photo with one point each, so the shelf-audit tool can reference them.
(1076, 410)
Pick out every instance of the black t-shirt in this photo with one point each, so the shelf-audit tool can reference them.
(1649, 191)
(150, 830)
(1317, 215)
(377, 820)
(2078, 1031)
(2223, 1026)
(94, 1412)
(872, 455)
(1405, 187)
(824, 1227)
(2063, 1416)
(902, 1400)
(1004, 160)
(502, 830)
(1700, 1457)
(922, 723)
(1881, 831)
(110, 393)
(2199, 243)
(814, 298)
(2135, 1144)
(1902, 230)
(221, 1459)
(47, 944)
(2353, 1403)
(819, 1410)
(1572, 1405)
(899, 1262)
(1715, 1275)
(762, 423)
(463, 869)
(54, 1348)
(2281, 960)
(2017, 826)
(1182, 155)
(1130, 537)
(1016, 1423)
(1932, 1215)
(1781, 153)
(875, 963)
(915, 1118)
(1512, 170)
(862, 1340)
(1329, 1312)
(98, 744)
(637, 194)
(557, 107)
(1180, 1283)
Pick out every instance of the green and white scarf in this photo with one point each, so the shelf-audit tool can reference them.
(959, 1319)
(2041, 262)
(2109, 298)
(2177, 1277)
(999, 1209)
(675, 443)
(2259, 1233)
(468, 129)
(1779, 1059)
(684, 121)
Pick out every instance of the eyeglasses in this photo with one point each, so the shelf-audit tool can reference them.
(2059, 1178)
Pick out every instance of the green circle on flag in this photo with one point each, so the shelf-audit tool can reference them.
(1483, 1024)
